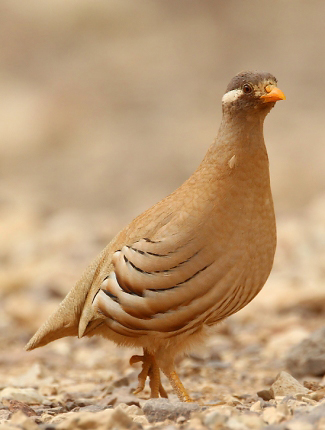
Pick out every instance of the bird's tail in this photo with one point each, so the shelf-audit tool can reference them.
(65, 320)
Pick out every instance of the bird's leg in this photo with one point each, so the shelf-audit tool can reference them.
(177, 385)
(179, 388)
(149, 370)
(144, 372)
(155, 382)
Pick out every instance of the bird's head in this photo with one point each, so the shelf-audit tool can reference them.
(251, 92)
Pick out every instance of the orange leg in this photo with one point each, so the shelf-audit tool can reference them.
(149, 370)
(181, 392)
(177, 385)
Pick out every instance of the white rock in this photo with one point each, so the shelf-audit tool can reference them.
(104, 420)
(231, 400)
(234, 424)
(35, 376)
(284, 409)
(306, 399)
(131, 410)
(253, 422)
(285, 384)
(26, 395)
(256, 407)
(5, 426)
(4, 415)
(214, 419)
(21, 420)
(300, 425)
(273, 415)
(140, 419)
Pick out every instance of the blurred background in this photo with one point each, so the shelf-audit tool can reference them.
(107, 106)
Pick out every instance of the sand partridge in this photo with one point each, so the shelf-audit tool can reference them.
(191, 260)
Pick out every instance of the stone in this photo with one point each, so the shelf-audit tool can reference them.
(122, 382)
(234, 423)
(4, 414)
(321, 424)
(308, 356)
(246, 421)
(15, 405)
(47, 427)
(273, 415)
(131, 410)
(313, 385)
(307, 420)
(215, 419)
(25, 395)
(316, 414)
(256, 407)
(120, 395)
(35, 376)
(162, 409)
(306, 398)
(23, 421)
(299, 425)
(285, 384)
(6, 426)
(318, 395)
(141, 419)
(104, 420)
(93, 408)
(231, 400)
(48, 390)
(265, 395)
(251, 421)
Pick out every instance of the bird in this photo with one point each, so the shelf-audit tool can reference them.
(194, 258)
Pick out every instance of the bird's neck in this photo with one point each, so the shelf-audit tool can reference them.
(240, 137)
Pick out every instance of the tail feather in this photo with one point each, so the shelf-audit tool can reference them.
(65, 320)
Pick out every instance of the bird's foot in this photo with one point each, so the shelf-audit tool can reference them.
(150, 370)
(178, 386)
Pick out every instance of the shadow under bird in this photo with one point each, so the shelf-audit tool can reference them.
(191, 260)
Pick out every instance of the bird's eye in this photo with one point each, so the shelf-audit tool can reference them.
(247, 89)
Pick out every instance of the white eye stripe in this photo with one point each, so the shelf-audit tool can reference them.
(231, 96)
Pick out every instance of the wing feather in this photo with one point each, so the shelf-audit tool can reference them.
(152, 289)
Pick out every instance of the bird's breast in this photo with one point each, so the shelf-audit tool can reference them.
(208, 256)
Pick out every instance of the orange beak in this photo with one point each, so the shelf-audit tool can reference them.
(273, 95)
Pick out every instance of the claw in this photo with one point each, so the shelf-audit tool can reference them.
(162, 392)
(135, 359)
(149, 370)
